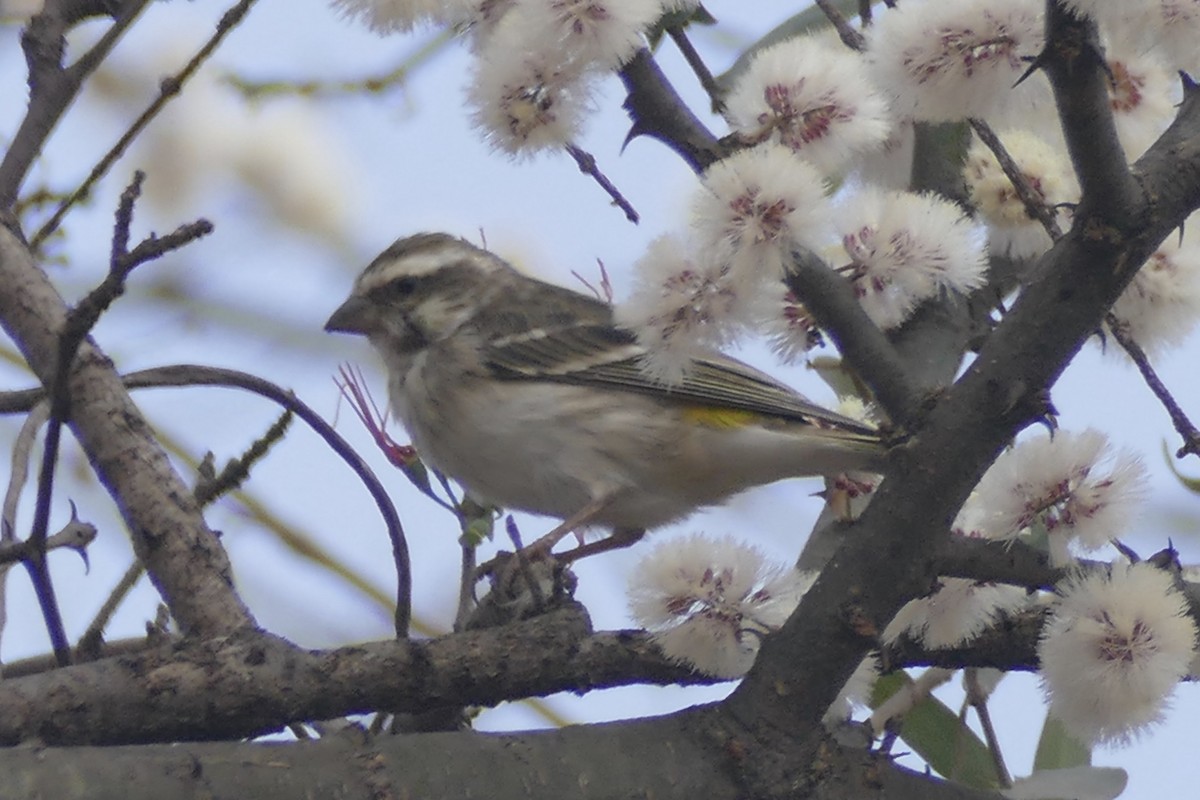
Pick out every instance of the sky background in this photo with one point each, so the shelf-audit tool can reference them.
(303, 193)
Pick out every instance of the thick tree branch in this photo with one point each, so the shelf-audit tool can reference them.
(255, 683)
(184, 558)
(659, 112)
(578, 762)
(799, 671)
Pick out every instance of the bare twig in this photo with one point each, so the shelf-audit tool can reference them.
(53, 87)
(715, 93)
(91, 642)
(238, 469)
(1032, 199)
(1191, 436)
(587, 165)
(849, 36)
(168, 89)
(977, 699)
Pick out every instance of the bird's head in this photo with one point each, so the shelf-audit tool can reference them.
(420, 290)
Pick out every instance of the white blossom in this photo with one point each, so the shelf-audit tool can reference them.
(856, 692)
(1113, 650)
(812, 97)
(390, 16)
(757, 206)
(683, 305)
(1140, 96)
(598, 34)
(1011, 231)
(1161, 306)
(955, 614)
(709, 601)
(905, 248)
(527, 98)
(1169, 28)
(790, 330)
(947, 61)
(1075, 486)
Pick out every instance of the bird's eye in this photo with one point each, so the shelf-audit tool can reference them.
(402, 287)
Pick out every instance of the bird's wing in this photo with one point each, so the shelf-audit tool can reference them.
(595, 352)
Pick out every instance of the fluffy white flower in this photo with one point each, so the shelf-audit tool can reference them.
(1161, 306)
(1073, 485)
(527, 98)
(1170, 28)
(948, 61)
(1141, 98)
(709, 601)
(955, 614)
(390, 16)
(905, 248)
(856, 692)
(812, 97)
(790, 329)
(757, 206)
(1011, 231)
(1113, 650)
(683, 305)
(590, 33)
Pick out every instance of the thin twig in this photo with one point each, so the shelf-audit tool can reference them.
(93, 638)
(53, 88)
(978, 701)
(703, 74)
(168, 89)
(1032, 199)
(196, 375)
(180, 375)
(1191, 436)
(587, 165)
(850, 37)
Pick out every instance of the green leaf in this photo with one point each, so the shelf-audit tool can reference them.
(1058, 749)
(936, 734)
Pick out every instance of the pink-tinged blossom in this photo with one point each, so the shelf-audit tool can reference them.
(709, 601)
(905, 248)
(1113, 650)
(593, 34)
(683, 305)
(789, 328)
(955, 614)
(1011, 231)
(944, 61)
(1074, 486)
(391, 16)
(527, 99)
(757, 206)
(1141, 98)
(812, 97)
(1168, 28)
(1160, 308)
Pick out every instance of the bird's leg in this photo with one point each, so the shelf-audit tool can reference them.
(621, 537)
(582, 517)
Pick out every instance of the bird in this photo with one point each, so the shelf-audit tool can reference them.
(534, 398)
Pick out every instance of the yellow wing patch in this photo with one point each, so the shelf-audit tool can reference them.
(717, 417)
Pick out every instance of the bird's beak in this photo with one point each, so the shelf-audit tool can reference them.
(352, 316)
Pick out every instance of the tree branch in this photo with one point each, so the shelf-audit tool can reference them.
(183, 557)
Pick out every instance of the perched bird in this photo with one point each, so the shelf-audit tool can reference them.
(533, 398)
